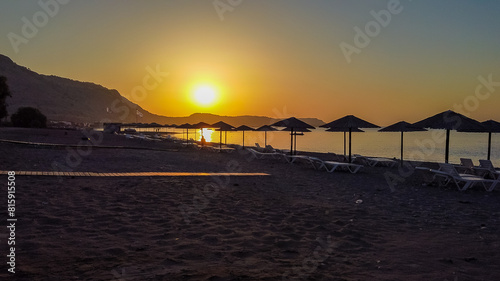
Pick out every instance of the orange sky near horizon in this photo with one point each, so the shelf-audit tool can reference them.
(276, 59)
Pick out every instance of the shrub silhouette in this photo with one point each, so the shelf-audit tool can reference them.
(28, 117)
(4, 93)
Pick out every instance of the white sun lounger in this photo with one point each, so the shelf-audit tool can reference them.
(462, 181)
(467, 167)
(315, 162)
(270, 148)
(374, 161)
(259, 148)
(487, 165)
(319, 164)
(331, 166)
(261, 155)
(221, 149)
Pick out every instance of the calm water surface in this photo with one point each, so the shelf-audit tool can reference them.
(426, 146)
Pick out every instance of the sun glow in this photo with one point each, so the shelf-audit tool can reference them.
(207, 134)
(205, 96)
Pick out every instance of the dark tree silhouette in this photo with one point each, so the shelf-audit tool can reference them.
(4, 93)
(28, 117)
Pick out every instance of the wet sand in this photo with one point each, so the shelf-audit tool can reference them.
(297, 224)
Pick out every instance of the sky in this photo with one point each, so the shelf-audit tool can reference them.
(383, 61)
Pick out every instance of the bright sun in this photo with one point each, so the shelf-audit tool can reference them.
(204, 95)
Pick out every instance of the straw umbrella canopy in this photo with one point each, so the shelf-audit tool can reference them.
(450, 120)
(265, 129)
(344, 130)
(490, 127)
(155, 126)
(222, 126)
(350, 122)
(402, 127)
(186, 126)
(244, 128)
(201, 126)
(293, 124)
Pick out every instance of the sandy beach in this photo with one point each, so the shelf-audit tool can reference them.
(296, 224)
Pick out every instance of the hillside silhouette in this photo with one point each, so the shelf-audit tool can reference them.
(63, 99)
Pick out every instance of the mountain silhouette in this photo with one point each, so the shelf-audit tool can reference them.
(63, 99)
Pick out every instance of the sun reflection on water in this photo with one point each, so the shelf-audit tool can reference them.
(207, 134)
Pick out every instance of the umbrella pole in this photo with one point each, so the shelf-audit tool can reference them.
(489, 145)
(243, 139)
(401, 148)
(265, 138)
(447, 152)
(220, 140)
(291, 141)
(350, 130)
(344, 143)
(225, 137)
(295, 143)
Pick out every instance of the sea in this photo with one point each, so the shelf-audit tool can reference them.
(420, 146)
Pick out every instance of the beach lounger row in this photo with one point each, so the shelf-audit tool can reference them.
(270, 149)
(447, 173)
(316, 163)
(261, 155)
(223, 148)
(329, 166)
(485, 168)
(375, 161)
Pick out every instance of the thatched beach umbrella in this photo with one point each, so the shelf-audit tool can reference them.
(222, 126)
(293, 124)
(345, 130)
(265, 129)
(350, 122)
(402, 127)
(200, 126)
(491, 127)
(450, 120)
(155, 126)
(244, 128)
